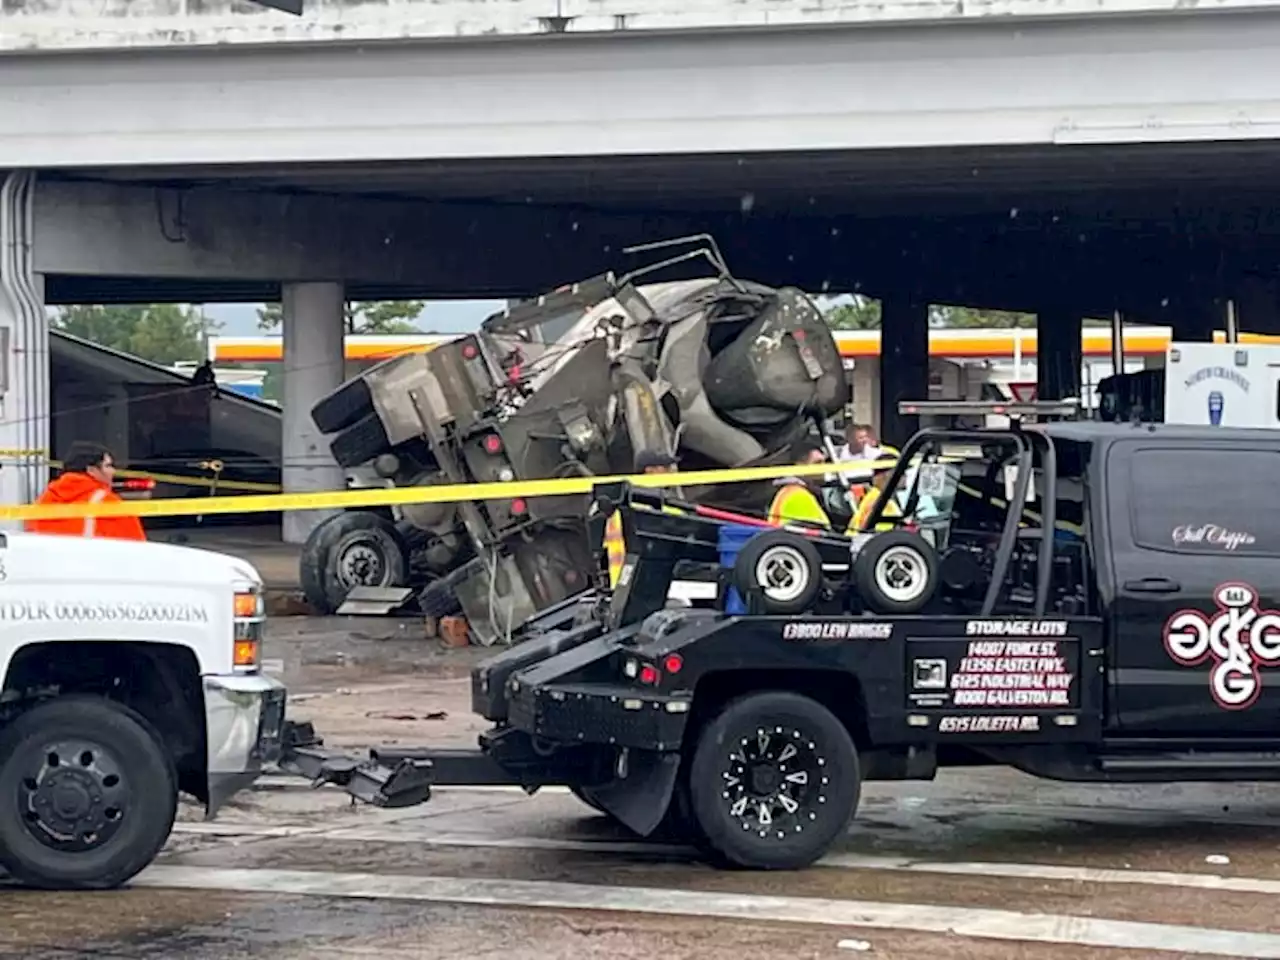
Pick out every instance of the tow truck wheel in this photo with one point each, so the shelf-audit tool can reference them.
(896, 573)
(784, 568)
(774, 781)
(88, 795)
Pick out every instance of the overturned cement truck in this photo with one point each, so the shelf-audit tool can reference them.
(713, 371)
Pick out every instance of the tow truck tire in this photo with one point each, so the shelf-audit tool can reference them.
(785, 568)
(896, 573)
(797, 781)
(82, 748)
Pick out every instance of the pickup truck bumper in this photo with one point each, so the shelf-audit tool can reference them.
(247, 732)
(244, 724)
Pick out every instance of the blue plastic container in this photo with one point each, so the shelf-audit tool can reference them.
(732, 537)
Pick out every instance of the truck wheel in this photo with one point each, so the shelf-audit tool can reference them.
(354, 549)
(88, 795)
(896, 573)
(774, 781)
(314, 561)
(784, 567)
(360, 442)
(439, 599)
(343, 407)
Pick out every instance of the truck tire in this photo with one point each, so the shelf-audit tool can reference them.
(312, 564)
(783, 567)
(361, 442)
(439, 597)
(352, 549)
(88, 794)
(343, 407)
(774, 781)
(896, 573)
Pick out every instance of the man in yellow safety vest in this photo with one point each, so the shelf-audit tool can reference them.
(615, 546)
(795, 501)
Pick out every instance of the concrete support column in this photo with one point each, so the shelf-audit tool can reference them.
(866, 390)
(24, 350)
(314, 328)
(1059, 354)
(904, 365)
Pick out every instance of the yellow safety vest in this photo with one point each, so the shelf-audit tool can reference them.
(865, 506)
(795, 503)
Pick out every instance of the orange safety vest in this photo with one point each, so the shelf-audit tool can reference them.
(82, 488)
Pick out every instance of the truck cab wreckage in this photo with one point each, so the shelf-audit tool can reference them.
(1012, 615)
(584, 381)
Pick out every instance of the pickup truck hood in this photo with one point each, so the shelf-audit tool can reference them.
(44, 557)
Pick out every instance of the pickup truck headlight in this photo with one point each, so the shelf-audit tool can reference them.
(248, 616)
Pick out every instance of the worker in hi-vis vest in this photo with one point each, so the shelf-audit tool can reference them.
(615, 547)
(879, 477)
(86, 478)
(795, 501)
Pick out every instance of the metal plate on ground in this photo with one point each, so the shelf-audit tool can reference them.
(374, 601)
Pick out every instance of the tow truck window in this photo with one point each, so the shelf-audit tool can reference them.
(1207, 502)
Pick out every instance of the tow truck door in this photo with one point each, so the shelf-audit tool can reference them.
(1194, 621)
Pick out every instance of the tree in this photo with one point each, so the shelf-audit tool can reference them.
(362, 316)
(862, 314)
(949, 316)
(160, 332)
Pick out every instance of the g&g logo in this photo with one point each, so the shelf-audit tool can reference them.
(1239, 638)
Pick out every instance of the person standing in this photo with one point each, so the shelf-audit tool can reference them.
(86, 478)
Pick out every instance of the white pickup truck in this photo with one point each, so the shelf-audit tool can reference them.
(130, 672)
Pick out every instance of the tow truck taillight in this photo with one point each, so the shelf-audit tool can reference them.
(519, 507)
(649, 675)
(138, 484)
(492, 444)
(673, 663)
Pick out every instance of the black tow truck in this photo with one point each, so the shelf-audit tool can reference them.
(1081, 601)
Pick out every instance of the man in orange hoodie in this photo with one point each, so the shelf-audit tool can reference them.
(86, 478)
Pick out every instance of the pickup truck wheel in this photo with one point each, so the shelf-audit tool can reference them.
(896, 573)
(783, 567)
(88, 795)
(774, 781)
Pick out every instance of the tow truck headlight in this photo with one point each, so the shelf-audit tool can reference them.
(248, 615)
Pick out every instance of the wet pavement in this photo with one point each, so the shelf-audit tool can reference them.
(979, 863)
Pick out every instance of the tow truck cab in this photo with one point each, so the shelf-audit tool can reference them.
(1079, 600)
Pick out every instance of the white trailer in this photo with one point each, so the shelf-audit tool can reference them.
(1222, 384)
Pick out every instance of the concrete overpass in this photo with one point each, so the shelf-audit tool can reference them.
(994, 161)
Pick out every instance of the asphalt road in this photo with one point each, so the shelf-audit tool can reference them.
(979, 863)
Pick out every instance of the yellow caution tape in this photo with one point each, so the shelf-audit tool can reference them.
(445, 493)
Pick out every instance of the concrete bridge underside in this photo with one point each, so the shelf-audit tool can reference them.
(1066, 168)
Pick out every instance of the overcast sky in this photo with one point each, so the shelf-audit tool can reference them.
(441, 316)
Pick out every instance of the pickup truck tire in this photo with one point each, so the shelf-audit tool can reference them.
(896, 573)
(88, 769)
(774, 781)
(784, 568)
